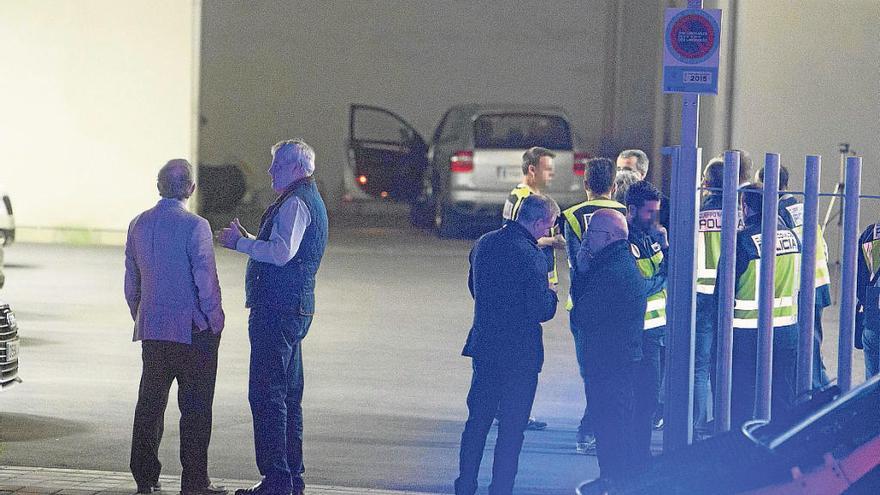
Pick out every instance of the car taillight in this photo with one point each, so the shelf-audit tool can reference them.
(462, 162)
(579, 166)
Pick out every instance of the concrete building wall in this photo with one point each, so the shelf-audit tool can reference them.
(96, 95)
(273, 70)
(806, 76)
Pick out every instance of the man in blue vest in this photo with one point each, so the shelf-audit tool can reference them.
(280, 291)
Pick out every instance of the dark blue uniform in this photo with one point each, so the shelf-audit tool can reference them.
(512, 297)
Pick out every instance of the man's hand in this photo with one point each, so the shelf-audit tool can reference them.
(662, 236)
(229, 236)
(557, 241)
(241, 229)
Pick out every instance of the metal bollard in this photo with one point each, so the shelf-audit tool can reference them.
(726, 288)
(766, 287)
(848, 271)
(807, 296)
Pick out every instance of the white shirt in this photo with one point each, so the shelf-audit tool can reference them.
(288, 228)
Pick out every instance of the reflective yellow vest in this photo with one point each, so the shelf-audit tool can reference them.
(795, 212)
(578, 219)
(649, 256)
(871, 247)
(708, 250)
(786, 281)
(511, 212)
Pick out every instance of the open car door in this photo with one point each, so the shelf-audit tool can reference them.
(387, 155)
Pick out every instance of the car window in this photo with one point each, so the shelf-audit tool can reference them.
(521, 131)
(443, 128)
(380, 126)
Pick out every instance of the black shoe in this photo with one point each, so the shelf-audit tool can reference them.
(208, 490)
(155, 487)
(259, 489)
(535, 425)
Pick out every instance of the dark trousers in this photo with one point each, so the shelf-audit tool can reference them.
(493, 389)
(585, 428)
(275, 394)
(820, 377)
(647, 392)
(745, 354)
(704, 360)
(195, 369)
(612, 392)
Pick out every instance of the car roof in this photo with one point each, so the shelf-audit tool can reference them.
(483, 108)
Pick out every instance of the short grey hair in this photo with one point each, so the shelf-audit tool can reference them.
(176, 179)
(297, 153)
(622, 181)
(533, 155)
(642, 162)
(537, 207)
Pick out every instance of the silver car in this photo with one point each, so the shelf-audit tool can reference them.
(473, 161)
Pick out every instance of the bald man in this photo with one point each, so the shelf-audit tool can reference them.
(609, 308)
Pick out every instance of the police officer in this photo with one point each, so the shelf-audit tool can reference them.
(708, 253)
(648, 244)
(599, 186)
(867, 279)
(745, 312)
(537, 169)
(791, 211)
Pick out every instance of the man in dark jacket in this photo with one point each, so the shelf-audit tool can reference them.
(610, 310)
(512, 297)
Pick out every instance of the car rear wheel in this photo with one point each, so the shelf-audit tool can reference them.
(448, 222)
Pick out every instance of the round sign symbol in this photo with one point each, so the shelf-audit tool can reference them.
(692, 36)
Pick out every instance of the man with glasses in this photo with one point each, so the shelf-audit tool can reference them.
(609, 309)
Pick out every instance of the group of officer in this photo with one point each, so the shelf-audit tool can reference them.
(629, 255)
(624, 392)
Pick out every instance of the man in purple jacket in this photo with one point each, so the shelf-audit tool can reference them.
(173, 293)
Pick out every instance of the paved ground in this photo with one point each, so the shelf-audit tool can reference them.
(48, 481)
(385, 384)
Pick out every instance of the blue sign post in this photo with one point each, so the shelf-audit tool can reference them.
(690, 66)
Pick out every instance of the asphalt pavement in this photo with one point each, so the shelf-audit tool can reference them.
(385, 383)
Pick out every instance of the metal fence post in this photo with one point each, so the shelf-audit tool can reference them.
(807, 297)
(726, 287)
(852, 189)
(767, 287)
